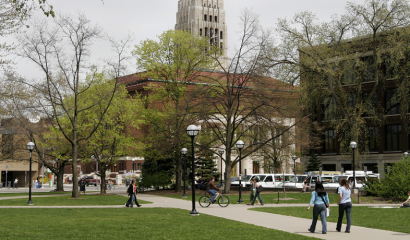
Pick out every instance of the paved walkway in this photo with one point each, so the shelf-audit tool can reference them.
(241, 213)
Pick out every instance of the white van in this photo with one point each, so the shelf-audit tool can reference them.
(267, 180)
(296, 181)
(244, 182)
(281, 178)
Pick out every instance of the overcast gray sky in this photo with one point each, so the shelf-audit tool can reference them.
(149, 18)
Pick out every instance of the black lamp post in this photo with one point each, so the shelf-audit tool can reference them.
(353, 145)
(221, 151)
(184, 151)
(294, 166)
(30, 147)
(192, 131)
(239, 145)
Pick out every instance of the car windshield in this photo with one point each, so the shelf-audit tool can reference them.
(326, 179)
(298, 179)
(336, 179)
(245, 178)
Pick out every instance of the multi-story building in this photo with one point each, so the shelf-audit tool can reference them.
(205, 18)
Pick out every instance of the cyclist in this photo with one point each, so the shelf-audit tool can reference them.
(209, 189)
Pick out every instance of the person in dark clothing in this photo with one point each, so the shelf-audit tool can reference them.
(82, 184)
(209, 189)
(132, 191)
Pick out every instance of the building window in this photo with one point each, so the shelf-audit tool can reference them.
(139, 166)
(216, 19)
(206, 32)
(368, 71)
(330, 141)
(221, 35)
(371, 108)
(392, 101)
(393, 133)
(329, 167)
(329, 109)
(210, 18)
(372, 139)
(390, 68)
(7, 145)
(200, 31)
(205, 18)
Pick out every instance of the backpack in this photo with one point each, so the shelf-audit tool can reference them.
(130, 189)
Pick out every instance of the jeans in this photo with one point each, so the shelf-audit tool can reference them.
(213, 192)
(319, 209)
(257, 194)
(131, 200)
(342, 208)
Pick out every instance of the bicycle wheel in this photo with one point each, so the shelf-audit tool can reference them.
(204, 201)
(223, 201)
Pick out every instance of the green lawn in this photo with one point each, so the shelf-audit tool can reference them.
(392, 219)
(126, 223)
(266, 197)
(32, 193)
(87, 200)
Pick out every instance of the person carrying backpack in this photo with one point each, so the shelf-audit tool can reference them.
(321, 201)
(132, 191)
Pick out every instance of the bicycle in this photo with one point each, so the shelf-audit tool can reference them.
(205, 200)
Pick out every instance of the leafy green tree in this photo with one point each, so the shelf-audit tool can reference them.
(314, 163)
(395, 184)
(113, 138)
(350, 50)
(173, 62)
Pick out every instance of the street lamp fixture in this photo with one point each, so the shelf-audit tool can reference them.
(240, 144)
(192, 131)
(30, 147)
(221, 151)
(406, 154)
(184, 151)
(353, 145)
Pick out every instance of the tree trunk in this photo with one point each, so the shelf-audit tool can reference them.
(103, 176)
(228, 168)
(75, 193)
(60, 178)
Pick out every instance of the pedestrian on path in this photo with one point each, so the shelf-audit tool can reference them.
(321, 201)
(82, 184)
(345, 205)
(16, 183)
(252, 191)
(258, 192)
(132, 193)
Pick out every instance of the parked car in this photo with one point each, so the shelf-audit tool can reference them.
(281, 178)
(296, 181)
(91, 181)
(268, 180)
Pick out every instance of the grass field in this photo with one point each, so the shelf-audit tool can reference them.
(392, 219)
(84, 200)
(126, 223)
(32, 194)
(266, 197)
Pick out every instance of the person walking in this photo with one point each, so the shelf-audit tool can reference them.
(345, 205)
(82, 184)
(131, 192)
(258, 192)
(321, 201)
(16, 183)
(252, 191)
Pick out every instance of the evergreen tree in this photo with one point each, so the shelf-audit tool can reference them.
(314, 163)
(206, 167)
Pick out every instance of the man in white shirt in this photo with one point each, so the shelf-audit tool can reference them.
(16, 183)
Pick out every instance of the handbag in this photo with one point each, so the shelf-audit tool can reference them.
(327, 207)
(260, 188)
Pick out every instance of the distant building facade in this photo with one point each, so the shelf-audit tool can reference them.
(205, 18)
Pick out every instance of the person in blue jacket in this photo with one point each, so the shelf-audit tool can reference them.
(320, 199)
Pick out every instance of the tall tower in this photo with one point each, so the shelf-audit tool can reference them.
(205, 18)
